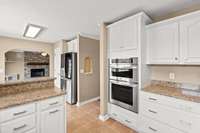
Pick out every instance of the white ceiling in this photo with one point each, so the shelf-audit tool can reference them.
(64, 18)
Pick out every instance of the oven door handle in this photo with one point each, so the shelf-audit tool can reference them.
(117, 67)
(123, 83)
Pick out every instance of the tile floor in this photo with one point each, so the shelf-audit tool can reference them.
(84, 119)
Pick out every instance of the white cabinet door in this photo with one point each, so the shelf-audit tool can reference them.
(190, 40)
(123, 35)
(57, 66)
(70, 46)
(115, 38)
(130, 34)
(163, 44)
(52, 121)
(75, 46)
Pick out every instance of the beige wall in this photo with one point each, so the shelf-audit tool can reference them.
(8, 44)
(88, 83)
(178, 13)
(103, 70)
(15, 67)
(186, 74)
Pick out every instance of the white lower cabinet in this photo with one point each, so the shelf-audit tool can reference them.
(171, 116)
(20, 125)
(122, 115)
(52, 120)
(47, 116)
(147, 125)
(32, 131)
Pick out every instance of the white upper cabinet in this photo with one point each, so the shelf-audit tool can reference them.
(114, 35)
(130, 34)
(163, 44)
(175, 41)
(190, 40)
(123, 35)
(72, 46)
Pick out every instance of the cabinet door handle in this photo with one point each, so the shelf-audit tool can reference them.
(20, 127)
(127, 121)
(152, 99)
(20, 113)
(53, 103)
(153, 129)
(176, 58)
(151, 111)
(53, 112)
(114, 114)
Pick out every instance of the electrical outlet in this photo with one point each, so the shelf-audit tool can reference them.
(171, 76)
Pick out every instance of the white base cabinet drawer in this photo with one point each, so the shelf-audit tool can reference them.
(32, 131)
(171, 102)
(124, 116)
(20, 125)
(16, 112)
(147, 125)
(185, 121)
(50, 103)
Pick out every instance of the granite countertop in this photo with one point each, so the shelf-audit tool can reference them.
(28, 97)
(171, 92)
(33, 80)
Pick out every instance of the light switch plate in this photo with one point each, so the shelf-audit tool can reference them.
(171, 76)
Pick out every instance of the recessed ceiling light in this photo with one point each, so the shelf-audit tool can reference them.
(32, 31)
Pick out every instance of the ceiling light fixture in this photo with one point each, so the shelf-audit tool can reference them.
(44, 54)
(32, 31)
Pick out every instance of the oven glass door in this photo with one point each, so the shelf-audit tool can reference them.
(122, 72)
(122, 93)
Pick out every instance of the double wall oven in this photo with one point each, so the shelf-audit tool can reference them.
(124, 83)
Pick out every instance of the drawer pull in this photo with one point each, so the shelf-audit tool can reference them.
(20, 127)
(20, 113)
(53, 103)
(114, 114)
(151, 111)
(152, 129)
(127, 121)
(152, 99)
(53, 112)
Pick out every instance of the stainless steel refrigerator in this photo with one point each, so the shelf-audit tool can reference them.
(69, 76)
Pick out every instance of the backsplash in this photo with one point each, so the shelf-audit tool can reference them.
(166, 83)
(183, 74)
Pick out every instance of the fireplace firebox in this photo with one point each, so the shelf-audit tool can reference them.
(37, 72)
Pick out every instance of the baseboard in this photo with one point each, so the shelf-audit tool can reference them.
(104, 117)
(88, 101)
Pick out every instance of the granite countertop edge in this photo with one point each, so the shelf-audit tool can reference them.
(7, 83)
(194, 99)
(12, 103)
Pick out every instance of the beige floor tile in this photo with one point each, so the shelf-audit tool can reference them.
(84, 119)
